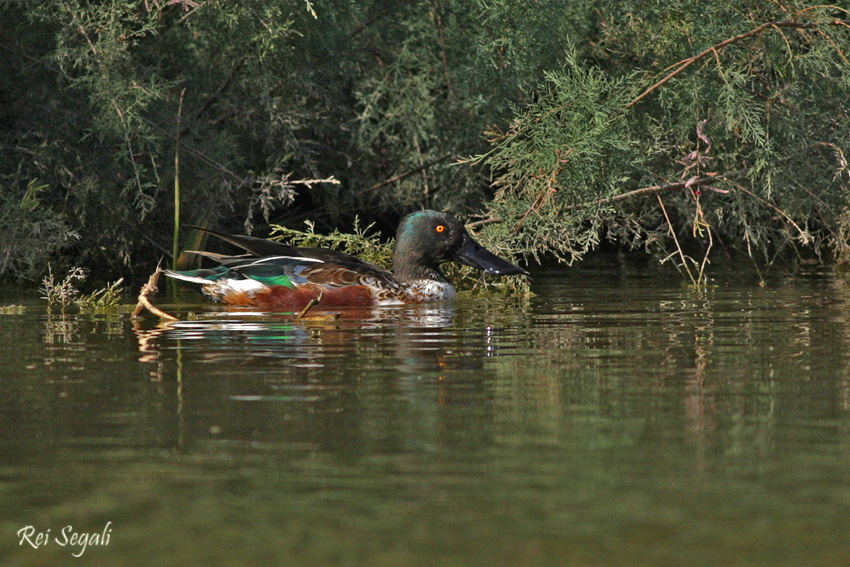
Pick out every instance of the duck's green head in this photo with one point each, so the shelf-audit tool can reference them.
(426, 239)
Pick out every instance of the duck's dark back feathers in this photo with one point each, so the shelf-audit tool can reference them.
(261, 248)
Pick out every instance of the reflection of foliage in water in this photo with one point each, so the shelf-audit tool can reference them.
(61, 330)
(667, 414)
(699, 387)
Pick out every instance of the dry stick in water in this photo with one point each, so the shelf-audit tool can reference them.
(145, 303)
(676, 240)
(310, 305)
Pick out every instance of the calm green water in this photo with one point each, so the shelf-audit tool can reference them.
(615, 419)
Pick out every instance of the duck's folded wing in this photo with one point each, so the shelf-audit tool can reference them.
(341, 274)
(264, 249)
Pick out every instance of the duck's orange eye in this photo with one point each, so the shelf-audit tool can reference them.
(440, 228)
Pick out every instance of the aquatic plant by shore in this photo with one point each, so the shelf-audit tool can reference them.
(64, 293)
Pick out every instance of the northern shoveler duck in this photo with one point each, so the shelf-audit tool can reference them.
(272, 274)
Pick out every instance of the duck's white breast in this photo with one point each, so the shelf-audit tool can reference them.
(426, 291)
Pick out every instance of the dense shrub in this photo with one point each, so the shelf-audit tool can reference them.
(553, 119)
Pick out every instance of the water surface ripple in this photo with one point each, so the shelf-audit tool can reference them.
(613, 419)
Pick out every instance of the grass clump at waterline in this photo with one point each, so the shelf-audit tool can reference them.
(62, 294)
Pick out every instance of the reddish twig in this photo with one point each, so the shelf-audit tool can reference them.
(401, 176)
(685, 63)
(550, 187)
(666, 188)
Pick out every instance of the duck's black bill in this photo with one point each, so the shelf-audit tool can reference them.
(473, 254)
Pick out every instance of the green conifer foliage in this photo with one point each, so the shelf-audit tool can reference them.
(683, 128)
(692, 130)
